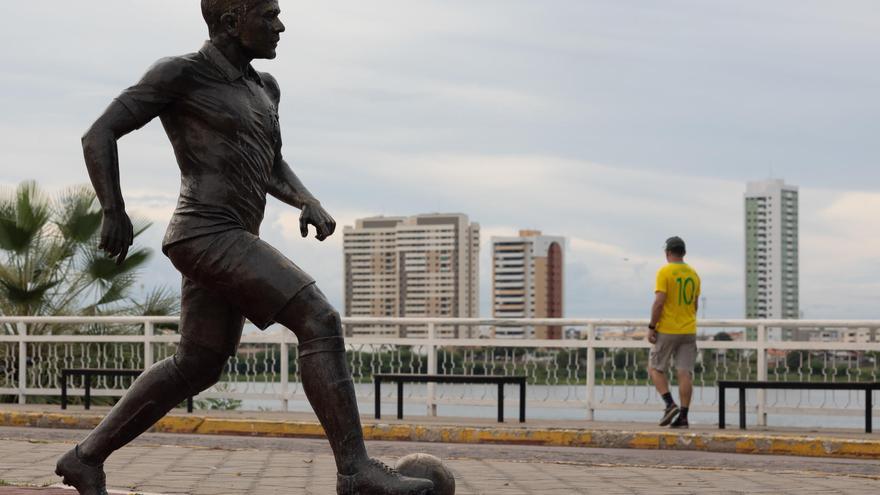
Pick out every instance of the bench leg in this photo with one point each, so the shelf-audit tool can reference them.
(400, 400)
(522, 402)
(63, 391)
(378, 407)
(721, 406)
(88, 399)
(500, 402)
(742, 408)
(189, 404)
(869, 410)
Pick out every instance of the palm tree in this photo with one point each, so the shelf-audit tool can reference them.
(50, 264)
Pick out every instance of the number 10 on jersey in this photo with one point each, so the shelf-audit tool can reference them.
(687, 289)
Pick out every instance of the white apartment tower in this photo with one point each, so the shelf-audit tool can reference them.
(419, 266)
(527, 282)
(772, 272)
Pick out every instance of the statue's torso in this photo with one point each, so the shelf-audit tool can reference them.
(224, 128)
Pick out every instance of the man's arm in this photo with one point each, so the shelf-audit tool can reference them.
(656, 313)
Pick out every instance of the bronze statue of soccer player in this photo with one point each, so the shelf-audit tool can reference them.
(221, 117)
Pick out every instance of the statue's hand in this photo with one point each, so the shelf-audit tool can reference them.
(117, 235)
(315, 214)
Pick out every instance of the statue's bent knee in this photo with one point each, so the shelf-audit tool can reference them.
(324, 331)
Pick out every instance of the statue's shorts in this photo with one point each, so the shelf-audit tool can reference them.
(227, 277)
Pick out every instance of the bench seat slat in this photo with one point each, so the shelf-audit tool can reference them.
(408, 377)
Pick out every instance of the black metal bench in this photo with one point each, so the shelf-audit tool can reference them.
(416, 378)
(742, 385)
(88, 373)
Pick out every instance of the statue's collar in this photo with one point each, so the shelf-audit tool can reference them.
(216, 57)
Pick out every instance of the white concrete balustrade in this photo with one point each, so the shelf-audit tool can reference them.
(604, 370)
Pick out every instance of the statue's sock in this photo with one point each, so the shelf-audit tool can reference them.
(329, 387)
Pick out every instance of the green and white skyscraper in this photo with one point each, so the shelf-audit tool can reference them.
(772, 270)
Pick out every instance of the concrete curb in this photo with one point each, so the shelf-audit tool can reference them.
(745, 443)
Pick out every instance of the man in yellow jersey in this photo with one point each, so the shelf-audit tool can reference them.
(673, 331)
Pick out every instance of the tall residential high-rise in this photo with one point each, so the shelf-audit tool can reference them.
(527, 282)
(418, 266)
(772, 252)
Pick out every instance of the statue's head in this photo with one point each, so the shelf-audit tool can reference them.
(253, 24)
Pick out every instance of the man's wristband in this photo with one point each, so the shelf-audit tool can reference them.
(652, 327)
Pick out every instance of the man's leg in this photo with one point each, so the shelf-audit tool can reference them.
(685, 359)
(658, 362)
(685, 391)
(329, 387)
(685, 387)
(660, 381)
(155, 392)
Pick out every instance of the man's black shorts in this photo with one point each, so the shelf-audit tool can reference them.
(227, 277)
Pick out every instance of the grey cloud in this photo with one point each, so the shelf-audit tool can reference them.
(388, 105)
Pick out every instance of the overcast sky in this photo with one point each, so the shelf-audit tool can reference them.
(613, 123)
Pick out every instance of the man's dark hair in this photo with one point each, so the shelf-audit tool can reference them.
(675, 246)
(677, 251)
(213, 10)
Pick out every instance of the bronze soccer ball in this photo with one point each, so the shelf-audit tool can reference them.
(426, 466)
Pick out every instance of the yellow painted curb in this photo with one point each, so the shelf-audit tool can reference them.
(747, 443)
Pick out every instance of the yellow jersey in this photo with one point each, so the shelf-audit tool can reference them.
(681, 284)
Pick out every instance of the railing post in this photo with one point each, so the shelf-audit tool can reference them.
(22, 363)
(285, 369)
(762, 374)
(432, 368)
(148, 344)
(591, 371)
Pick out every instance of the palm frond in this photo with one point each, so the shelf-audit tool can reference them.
(101, 268)
(78, 215)
(50, 263)
(161, 301)
(23, 216)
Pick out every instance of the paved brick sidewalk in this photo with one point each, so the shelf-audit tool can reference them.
(175, 469)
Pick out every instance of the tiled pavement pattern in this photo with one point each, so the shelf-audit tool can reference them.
(175, 469)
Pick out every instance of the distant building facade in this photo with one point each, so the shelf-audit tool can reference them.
(528, 282)
(772, 253)
(418, 266)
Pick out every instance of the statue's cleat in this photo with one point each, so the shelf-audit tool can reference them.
(88, 480)
(378, 479)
